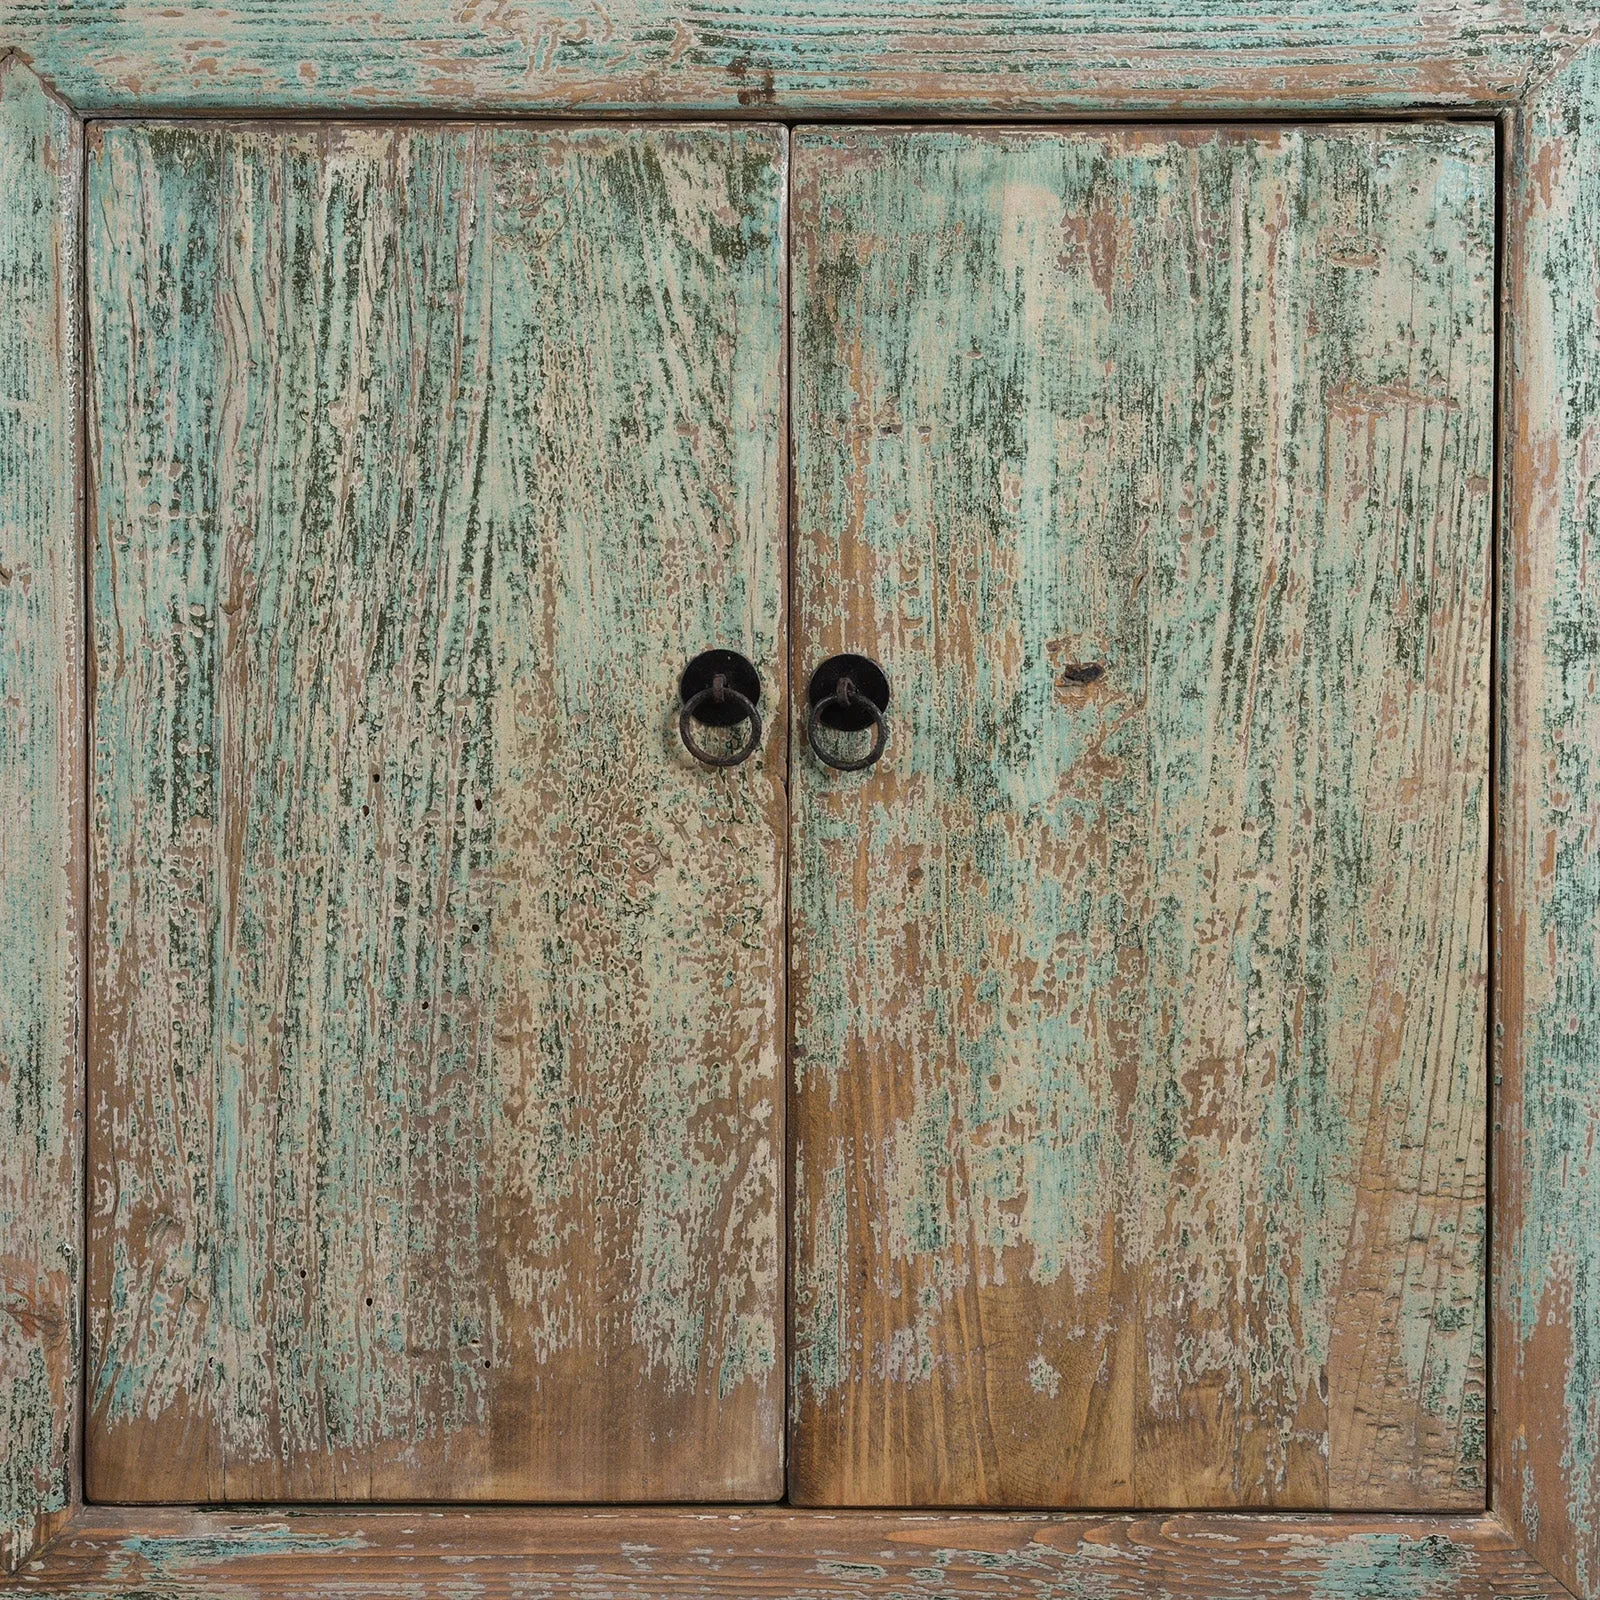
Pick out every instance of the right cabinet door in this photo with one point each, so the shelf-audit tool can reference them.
(1139, 989)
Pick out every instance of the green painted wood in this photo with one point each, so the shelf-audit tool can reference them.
(41, 815)
(1052, 57)
(437, 1116)
(1139, 1023)
(776, 1553)
(1547, 1151)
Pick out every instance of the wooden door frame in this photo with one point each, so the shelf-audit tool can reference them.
(1531, 65)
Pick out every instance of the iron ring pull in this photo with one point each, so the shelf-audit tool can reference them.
(849, 699)
(721, 693)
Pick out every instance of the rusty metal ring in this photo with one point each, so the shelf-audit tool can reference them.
(722, 692)
(847, 697)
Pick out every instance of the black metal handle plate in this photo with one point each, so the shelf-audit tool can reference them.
(848, 693)
(720, 689)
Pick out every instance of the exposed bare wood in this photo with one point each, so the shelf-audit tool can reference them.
(41, 814)
(1139, 1015)
(1097, 57)
(437, 993)
(801, 57)
(781, 1554)
(1547, 1149)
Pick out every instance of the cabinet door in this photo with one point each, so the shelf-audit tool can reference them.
(1138, 992)
(437, 1084)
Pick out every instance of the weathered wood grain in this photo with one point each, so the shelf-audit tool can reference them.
(41, 814)
(1547, 1129)
(1052, 57)
(437, 1110)
(1139, 1024)
(782, 1554)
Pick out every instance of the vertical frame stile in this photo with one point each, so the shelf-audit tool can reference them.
(41, 814)
(1499, 640)
(1546, 1154)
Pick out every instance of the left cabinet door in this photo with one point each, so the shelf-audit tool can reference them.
(436, 999)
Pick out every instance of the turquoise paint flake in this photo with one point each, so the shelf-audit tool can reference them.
(1387, 1566)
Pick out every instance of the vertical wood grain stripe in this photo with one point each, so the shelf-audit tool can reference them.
(1140, 1016)
(437, 1089)
(1547, 1150)
(41, 812)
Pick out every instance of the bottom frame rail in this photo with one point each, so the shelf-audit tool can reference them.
(639, 1553)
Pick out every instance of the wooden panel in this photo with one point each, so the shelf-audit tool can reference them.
(791, 55)
(41, 814)
(787, 1555)
(437, 1092)
(1547, 1145)
(1139, 1024)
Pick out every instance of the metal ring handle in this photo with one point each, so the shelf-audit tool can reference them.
(722, 692)
(846, 695)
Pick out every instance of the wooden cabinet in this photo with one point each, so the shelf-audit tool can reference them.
(1133, 1151)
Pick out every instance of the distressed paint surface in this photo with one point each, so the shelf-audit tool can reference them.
(1095, 54)
(799, 56)
(782, 1554)
(1547, 1149)
(1139, 1041)
(41, 815)
(437, 1118)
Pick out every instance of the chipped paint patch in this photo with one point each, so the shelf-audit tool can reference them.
(1387, 1566)
(164, 1553)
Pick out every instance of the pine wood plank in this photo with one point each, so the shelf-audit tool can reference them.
(437, 1117)
(1547, 1131)
(1049, 57)
(648, 1554)
(41, 815)
(1139, 1025)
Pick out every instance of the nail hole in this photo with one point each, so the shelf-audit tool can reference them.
(477, 805)
(424, 1005)
(366, 811)
(369, 1299)
(1085, 672)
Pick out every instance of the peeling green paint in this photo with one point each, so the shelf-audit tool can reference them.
(163, 1553)
(818, 56)
(41, 778)
(1548, 1246)
(1139, 1018)
(1223, 53)
(640, 1554)
(434, 1153)
(1387, 1566)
